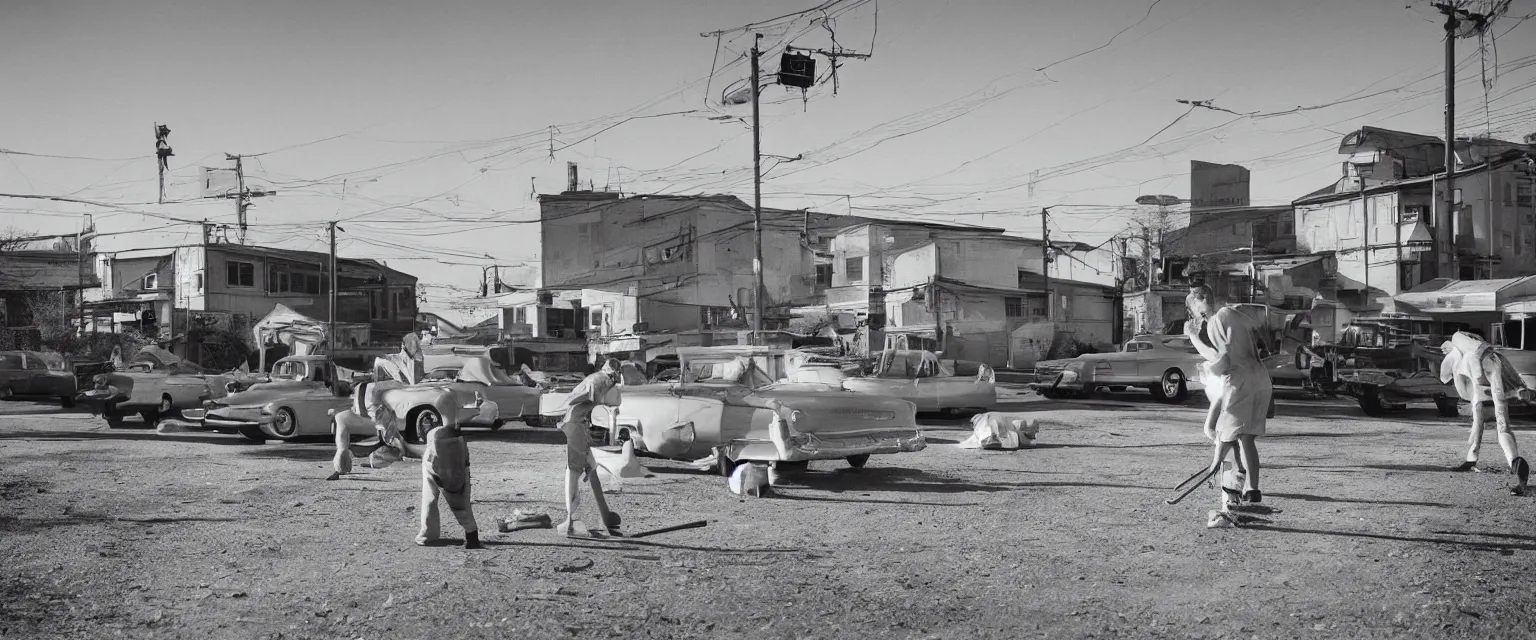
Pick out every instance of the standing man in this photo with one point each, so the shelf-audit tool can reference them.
(596, 389)
(1229, 341)
(1480, 372)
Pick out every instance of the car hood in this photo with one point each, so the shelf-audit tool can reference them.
(264, 393)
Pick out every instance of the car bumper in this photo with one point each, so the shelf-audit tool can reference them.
(101, 396)
(811, 446)
(236, 418)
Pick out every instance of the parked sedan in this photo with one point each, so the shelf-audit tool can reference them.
(154, 384)
(294, 401)
(1167, 365)
(730, 407)
(932, 384)
(26, 374)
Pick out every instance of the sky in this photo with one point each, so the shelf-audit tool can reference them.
(425, 127)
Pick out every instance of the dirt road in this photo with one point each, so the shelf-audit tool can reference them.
(126, 533)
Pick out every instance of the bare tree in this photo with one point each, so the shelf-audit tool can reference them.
(14, 239)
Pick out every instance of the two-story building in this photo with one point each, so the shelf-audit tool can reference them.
(967, 290)
(1385, 224)
(616, 268)
(227, 287)
(30, 270)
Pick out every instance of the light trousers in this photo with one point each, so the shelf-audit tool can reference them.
(459, 503)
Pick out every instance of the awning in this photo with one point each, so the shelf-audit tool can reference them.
(1443, 295)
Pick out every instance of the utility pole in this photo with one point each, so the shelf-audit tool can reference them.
(330, 330)
(1045, 259)
(162, 154)
(242, 197)
(1453, 18)
(757, 197)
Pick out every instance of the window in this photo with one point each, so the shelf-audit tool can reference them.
(854, 268)
(1013, 307)
(1023, 277)
(823, 275)
(595, 318)
(584, 233)
(520, 315)
(282, 280)
(404, 301)
(1509, 194)
(1507, 240)
(197, 281)
(1036, 308)
(152, 281)
(1287, 228)
(240, 274)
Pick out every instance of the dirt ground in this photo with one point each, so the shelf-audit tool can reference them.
(127, 533)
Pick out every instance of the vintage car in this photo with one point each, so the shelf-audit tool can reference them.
(731, 406)
(1167, 365)
(1388, 363)
(154, 383)
(478, 377)
(27, 374)
(293, 401)
(306, 391)
(921, 377)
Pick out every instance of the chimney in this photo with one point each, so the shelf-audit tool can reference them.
(571, 183)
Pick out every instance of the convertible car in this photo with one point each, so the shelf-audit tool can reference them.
(730, 406)
(1164, 364)
(478, 377)
(932, 384)
(154, 383)
(27, 374)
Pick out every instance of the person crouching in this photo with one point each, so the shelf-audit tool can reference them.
(445, 470)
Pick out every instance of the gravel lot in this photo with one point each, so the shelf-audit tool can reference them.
(128, 533)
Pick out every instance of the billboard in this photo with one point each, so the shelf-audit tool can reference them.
(1217, 185)
(218, 182)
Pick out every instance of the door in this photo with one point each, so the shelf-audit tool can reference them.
(35, 379)
(13, 373)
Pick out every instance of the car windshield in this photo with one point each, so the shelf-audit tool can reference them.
(443, 374)
(288, 370)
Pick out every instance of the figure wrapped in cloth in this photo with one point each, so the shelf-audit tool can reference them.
(1239, 387)
(445, 472)
(596, 389)
(1482, 374)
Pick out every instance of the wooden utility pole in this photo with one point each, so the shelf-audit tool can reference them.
(242, 197)
(1453, 19)
(757, 197)
(1045, 259)
(162, 154)
(330, 330)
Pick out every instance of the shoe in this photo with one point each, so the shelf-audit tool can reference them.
(1523, 474)
(472, 540)
(1253, 496)
(422, 541)
(1465, 466)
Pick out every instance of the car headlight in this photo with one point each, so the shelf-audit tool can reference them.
(99, 381)
(795, 416)
(1069, 376)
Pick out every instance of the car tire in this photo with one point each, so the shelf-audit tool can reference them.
(253, 433)
(858, 461)
(1370, 401)
(533, 421)
(290, 422)
(150, 416)
(423, 421)
(1448, 407)
(1171, 388)
(67, 402)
